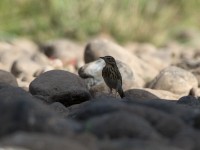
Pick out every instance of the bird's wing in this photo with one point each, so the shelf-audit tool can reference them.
(119, 77)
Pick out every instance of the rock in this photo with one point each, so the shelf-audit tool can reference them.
(174, 79)
(162, 94)
(139, 94)
(156, 59)
(25, 141)
(24, 84)
(40, 141)
(15, 50)
(155, 108)
(197, 121)
(40, 59)
(187, 114)
(59, 108)
(27, 46)
(59, 86)
(166, 118)
(24, 68)
(172, 52)
(20, 111)
(42, 70)
(121, 124)
(196, 73)
(92, 73)
(8, 57)
(4, 46)
(98, 48)
(67, 51)
(100, 90)
(151, 55)
(3, 67)
(189, 64)
(94, 107)
(187, 139)
(7, 77)
(189, 100)
(140, 48)
(137, 144)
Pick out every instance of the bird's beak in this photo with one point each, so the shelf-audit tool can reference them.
(102, 58)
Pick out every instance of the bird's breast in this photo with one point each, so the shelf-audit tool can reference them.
(109, 73)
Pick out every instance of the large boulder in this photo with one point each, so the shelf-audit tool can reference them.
(162, 94)
(60, 86)
(110, 117)
(92, 73)
(174, 79)
(121, 124)
(99, 47)
(139, 94)
(20, 111)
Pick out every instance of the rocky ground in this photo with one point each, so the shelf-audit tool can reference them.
(52, 96)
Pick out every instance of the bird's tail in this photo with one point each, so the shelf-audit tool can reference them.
(121, 93)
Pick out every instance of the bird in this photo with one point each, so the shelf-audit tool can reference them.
(112, 75)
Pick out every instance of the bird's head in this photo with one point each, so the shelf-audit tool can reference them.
(109, 60)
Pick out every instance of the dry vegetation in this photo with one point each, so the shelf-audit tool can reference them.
(143, 20)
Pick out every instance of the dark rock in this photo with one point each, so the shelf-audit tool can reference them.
(44, 142)
(94, 108)
(7, 77)
(197, 121)
(20, 111)
(60, 86)
(164, 122)
(189, 100)
(136, 144)
(139, 94)
(187, 139)
(8, 92)
(167, 106)
(121, 124)
(59, 108)
(169, 126)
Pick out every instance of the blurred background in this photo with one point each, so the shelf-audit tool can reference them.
(155, 21)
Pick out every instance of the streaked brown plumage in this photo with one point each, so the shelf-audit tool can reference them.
(112, 76)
